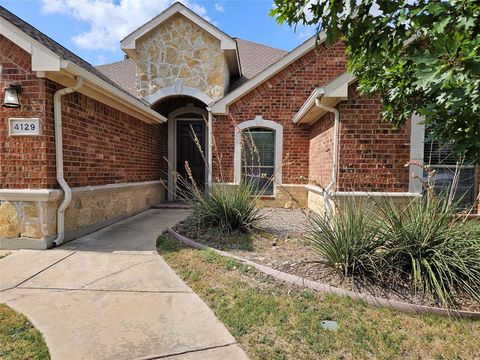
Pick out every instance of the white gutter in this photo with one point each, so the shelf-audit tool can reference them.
(309, 104)
(57, 112)
(336, 132)
(210, 148)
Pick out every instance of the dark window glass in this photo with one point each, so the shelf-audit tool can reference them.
(441, 159)
(258, 159)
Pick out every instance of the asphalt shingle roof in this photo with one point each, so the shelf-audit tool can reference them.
(254, 58)
(61, 51)
(123, 72)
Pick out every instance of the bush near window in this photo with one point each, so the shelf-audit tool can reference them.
(229, 208)
(432, 247)
(425, 243)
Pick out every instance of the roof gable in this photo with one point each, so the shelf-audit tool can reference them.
(227, 43)
(221, 106)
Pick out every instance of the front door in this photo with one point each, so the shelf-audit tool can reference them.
(188, 151)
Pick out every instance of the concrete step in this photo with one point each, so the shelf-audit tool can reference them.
(171, 205)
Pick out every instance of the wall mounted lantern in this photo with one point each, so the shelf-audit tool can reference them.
(11, 96)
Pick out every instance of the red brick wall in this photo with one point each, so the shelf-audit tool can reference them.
(278, 99)
(372, 154)
(101, 145)
(321, 151)
(23, 160)
(104, 146)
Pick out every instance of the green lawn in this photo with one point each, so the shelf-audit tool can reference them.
(272, 320)
(19, 340)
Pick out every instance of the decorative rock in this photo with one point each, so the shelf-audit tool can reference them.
(9, 224)
(32, 230)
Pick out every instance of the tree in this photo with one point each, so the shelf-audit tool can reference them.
(419, 56)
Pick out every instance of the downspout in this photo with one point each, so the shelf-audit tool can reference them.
(333, 181)
(210, 148)
(57, 112)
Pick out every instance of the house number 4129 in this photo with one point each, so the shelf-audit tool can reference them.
(24, 126)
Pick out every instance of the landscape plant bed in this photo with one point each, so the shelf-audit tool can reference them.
(280, 244)
(275, 320)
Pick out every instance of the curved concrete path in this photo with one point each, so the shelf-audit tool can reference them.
(109, 295)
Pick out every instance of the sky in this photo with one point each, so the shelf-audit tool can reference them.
(93, 29)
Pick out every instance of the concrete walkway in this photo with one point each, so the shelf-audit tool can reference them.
(109, 295)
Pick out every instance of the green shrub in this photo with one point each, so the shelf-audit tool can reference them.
(348, 241)
(230, 208)
(427, 242)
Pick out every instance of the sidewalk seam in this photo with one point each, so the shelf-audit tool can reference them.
(39, 272)
(106, 290)
(190, 351)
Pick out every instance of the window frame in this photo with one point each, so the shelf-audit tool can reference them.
(257, 168)
(259, 122)
(452, 167)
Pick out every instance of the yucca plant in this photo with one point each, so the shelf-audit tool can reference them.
(437, 251)
(348, 241)
(229, 208)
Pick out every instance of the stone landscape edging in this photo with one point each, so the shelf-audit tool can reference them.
(310, 284)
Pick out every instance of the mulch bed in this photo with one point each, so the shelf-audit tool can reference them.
(281, 244)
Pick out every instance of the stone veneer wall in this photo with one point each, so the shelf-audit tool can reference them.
(340, 201)
(179, 50)
(32, 224)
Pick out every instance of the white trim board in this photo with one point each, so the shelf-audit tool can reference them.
(54, 194)
(178, 89)
(330, 95)
(417, 139)
(30, 194)
(320, 191)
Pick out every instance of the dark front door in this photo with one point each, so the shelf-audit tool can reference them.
(188, 151)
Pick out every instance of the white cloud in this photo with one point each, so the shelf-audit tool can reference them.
(304, 32)
(101, 59)
(109, 20)
(219, 7)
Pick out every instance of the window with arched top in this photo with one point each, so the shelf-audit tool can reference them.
(258, 154)
(258, 158)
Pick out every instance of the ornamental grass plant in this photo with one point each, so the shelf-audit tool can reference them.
(425, 245)
(348, 241)
(428, 244)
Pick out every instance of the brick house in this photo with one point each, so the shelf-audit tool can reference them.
(107, 147)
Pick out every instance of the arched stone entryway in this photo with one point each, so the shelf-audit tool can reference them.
(186, 114)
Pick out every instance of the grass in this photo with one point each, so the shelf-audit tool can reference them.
(18, 338)
(271, 320)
